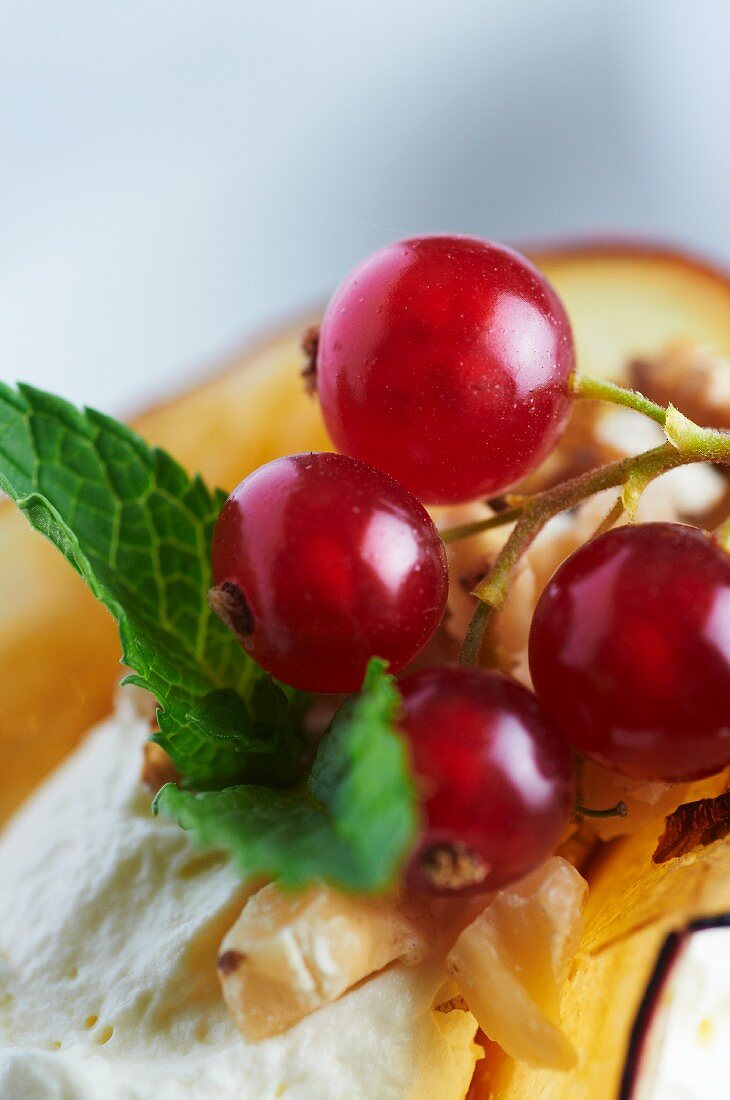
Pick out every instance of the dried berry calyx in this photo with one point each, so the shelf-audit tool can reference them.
(231, 607)
(310, 346)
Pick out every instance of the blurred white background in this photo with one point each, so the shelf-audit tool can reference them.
(177, 175)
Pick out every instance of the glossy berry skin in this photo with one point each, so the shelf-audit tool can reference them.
(445, 361)
(496, 779)
(630, 651)
(336, 563)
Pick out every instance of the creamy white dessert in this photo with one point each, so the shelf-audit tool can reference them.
(110, 923)
(686, 1047)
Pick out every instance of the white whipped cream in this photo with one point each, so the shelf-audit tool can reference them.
(685, 1054)
(110, 922)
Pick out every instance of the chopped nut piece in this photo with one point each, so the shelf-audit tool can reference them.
(694, 378)
(692, 825)
(512, 962)
(157, 767)
(288, 954)
(230, 961)
(454, 1004)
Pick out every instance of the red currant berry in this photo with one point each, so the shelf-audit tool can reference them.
(630, 651)
(445, 361)
(322, 562)
(497, 780)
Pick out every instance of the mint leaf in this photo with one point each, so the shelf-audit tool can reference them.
(361, 772)
(138, 528)
(353, 823)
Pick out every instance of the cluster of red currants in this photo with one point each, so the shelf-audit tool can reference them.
(443, 371)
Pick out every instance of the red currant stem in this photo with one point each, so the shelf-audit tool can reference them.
(706, 444)
(721, 535)
(619, 810)
(543, 506)
(474, 636)
(611, 517)
(597, 389)
(509, 515)
(687, 443)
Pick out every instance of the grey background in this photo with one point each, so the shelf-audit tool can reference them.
(176, 175)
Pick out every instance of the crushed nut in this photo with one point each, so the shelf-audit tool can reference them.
(512, 962)
(694, 378)
(288, 954)
(693, 825)
(454, 1004)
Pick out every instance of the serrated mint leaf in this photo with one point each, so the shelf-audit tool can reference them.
(271, 721)
(361, 773)
(352, 825)
(137, 528)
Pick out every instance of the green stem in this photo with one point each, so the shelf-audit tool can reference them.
(597, 389)
(475, 634)
(543, 506)
(619, 810)
(706, 444)
(687, 443)
(611, 517)
(451, 534)
(539, 509)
